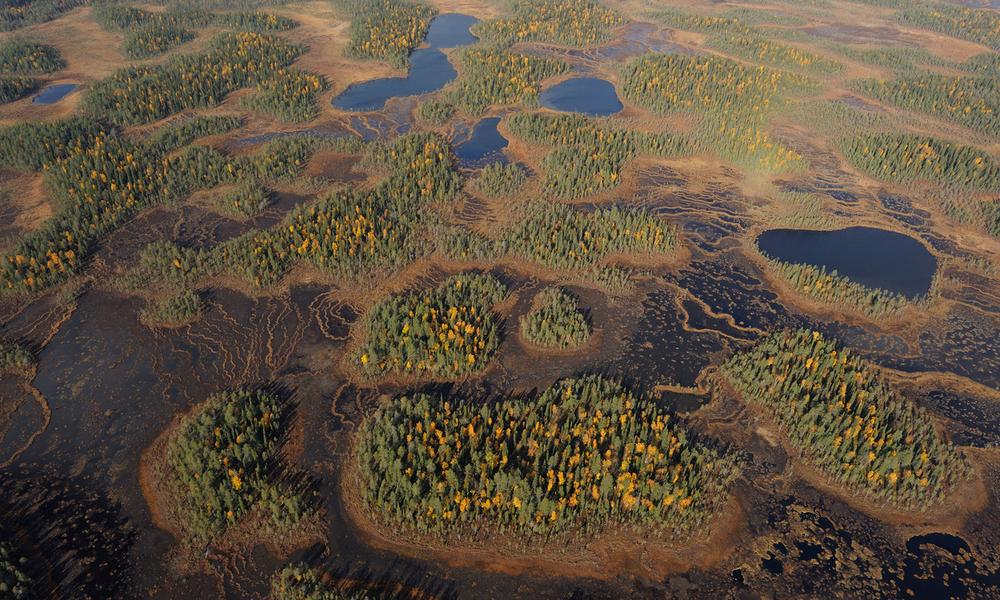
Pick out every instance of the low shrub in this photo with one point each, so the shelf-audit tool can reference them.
(173, 311)
(15, 358)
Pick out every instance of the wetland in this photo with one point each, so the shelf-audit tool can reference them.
(555, 299)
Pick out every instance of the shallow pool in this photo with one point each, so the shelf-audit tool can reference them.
(54, 93)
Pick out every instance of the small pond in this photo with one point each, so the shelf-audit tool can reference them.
(430, 69)
(875, 258)
(54, 93)
(483, 143)
(587, 95)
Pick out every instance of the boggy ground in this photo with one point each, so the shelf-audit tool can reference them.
(111, 387)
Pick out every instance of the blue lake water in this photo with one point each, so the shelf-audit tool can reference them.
(876, 258)
(587, 95)
(451, 31)
(54, 93)
(430, 69)
(485, 142)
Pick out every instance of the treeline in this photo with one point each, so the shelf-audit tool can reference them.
(15, 88)
(350, 234)
(763, 16)
(149, 34)
(288, 94)
(615, 281)
(977, 25)
(761, 49)
(898, 58)
(583, 457)
(153, 40)
(120, 17)
(561, 237)
(571, 173)
(589, 156)
(498, 180)
(19, 59)
(564, 238)
(970, 101)
(164, 264)
(833, 117)
(677, 19)
(555, 321)
(845, 419)
(225, 4)
(423, 167)
(987, 63)
(734, 99)
(565, 22)
(734, 36)
(445, 332)
(461, 244)
(261, 22)
(833, 288)
(32, 145)
(141, 94)
(173, 137)
(900, 157)
(15, 14)
(387, 29)
(25, 57)
(991, 217)
(225, 461)
(677, 82)
(102, 179)
(435, 112)
(490, 76)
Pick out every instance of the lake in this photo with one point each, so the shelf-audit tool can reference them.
(484, 142)
(875, 258)
(587, 95)
(430, 69)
